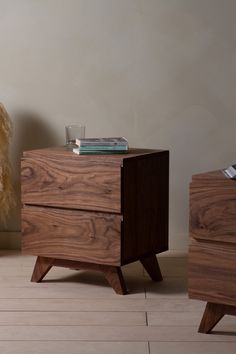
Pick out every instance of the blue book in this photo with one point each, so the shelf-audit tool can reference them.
(98, 152)
(103, 148)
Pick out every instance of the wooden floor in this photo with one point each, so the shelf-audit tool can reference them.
(77, 312)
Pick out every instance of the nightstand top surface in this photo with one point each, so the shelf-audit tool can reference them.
(62, 152)
(212, 176)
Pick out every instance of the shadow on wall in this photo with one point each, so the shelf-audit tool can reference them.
(30, 131)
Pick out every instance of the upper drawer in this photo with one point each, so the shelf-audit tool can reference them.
(213, 211)
(71, 183)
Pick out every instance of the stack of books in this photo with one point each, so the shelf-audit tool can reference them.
(230, 172)
(117, 145)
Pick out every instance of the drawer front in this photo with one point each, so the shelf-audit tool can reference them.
(71, 183)
(71, 234)
(213, 212)
(212, 272)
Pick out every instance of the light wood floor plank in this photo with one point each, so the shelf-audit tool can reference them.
(170, 287)
(122, 303)
(74, 292)
(110, 333)
(192, 348)
(77, 312)
(178, 318)
(72, 347)
(73, 318)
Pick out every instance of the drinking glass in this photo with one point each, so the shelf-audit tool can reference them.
(73, 132)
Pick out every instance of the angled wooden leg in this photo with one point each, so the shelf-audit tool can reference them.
(212, 315)
(115, 278)
(151, 265)
(41, 268)
(113, 274)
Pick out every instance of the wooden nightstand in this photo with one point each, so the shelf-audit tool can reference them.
(95, 211)
(212, 264)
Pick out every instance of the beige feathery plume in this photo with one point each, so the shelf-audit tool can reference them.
(7, 196)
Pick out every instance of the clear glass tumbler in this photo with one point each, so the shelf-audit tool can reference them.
(73, 132)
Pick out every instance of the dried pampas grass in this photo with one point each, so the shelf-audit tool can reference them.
(7, 196)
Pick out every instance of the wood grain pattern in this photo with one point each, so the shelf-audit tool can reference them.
(41, 268)
(213, 208)
(101, 209)
(145, 197)
(212, 176)
(71, 183)
(212, 272)
(115, 279)
(112, 274)
(71, 234)
(58, 177)
(213, 314)
(212, 267)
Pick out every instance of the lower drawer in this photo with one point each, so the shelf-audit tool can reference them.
(212, 272)
(71, 234)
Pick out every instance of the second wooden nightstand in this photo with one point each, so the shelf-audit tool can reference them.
(212, 266)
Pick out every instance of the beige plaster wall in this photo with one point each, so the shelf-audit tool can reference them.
(160, 72)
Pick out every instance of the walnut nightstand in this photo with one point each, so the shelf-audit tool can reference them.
(95, 212)
(212, 264)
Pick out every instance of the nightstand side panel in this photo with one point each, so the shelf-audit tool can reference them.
(145, 197)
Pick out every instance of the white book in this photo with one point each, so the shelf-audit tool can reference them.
(114, 141)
